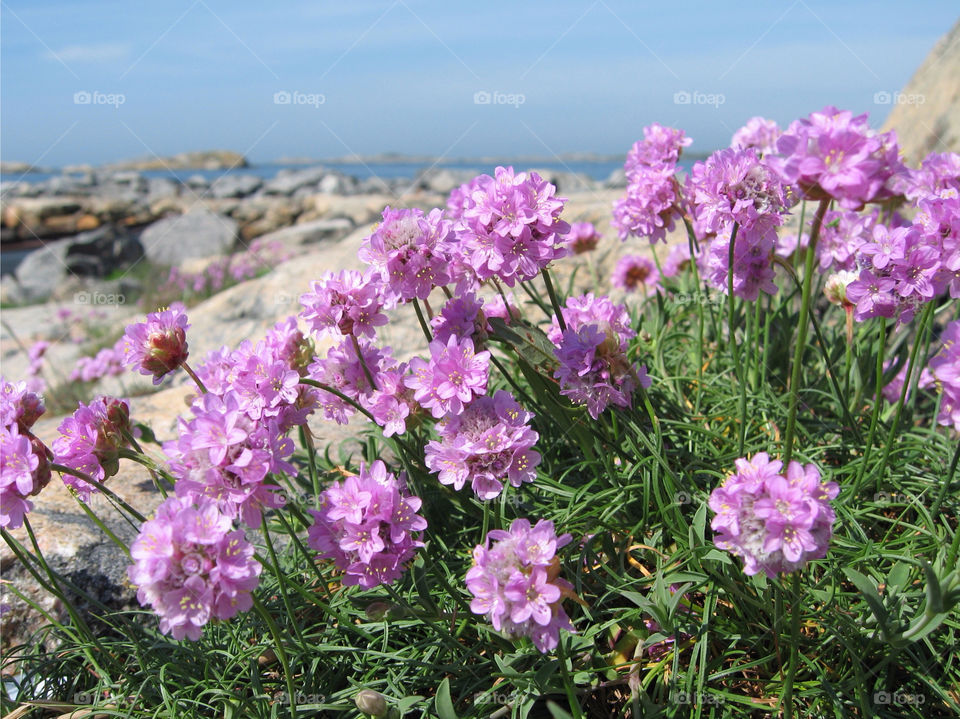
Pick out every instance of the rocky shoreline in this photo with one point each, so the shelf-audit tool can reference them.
(71, 231)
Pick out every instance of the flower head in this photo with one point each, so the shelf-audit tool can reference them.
(367, 526)
(775, 522)
(515, 582)
(159, 345)
(190, 565)
(488, 443)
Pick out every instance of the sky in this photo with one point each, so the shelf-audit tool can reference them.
(93, 82)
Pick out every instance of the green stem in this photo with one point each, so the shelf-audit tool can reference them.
(281, 653)
(568, 682)
(97, 485)
(802, 330)
(194, 377)
(786, 700)
(553, 300)
(692, 240)
(422, 320)
(911, 366)
(877, 402)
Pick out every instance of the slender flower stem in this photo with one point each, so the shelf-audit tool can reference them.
(193, 376)
(101, 486)
(911, 367)
(363, 362)
(692, 240)
(786, 700)
(553, 299)
(801, 344)
(874, 417)
(422, 320)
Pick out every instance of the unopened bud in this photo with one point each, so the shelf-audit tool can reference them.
(371, 703)
(835, 288)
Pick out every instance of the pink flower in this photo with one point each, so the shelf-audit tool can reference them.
(366, 525)
(159, 345)
(190, 565)
(453, 376)
(515, 585)
(774, 522)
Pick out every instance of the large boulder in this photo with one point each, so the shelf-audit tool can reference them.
(926, 115)
(198, 233)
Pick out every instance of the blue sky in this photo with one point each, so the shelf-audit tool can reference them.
(94, 81)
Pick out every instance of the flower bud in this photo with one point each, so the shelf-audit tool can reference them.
(835, 288)
(371, 703)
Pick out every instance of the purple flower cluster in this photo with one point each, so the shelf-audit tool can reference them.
(408, 251)
(108, 362)
(636, 272)
(774, 522)
(652, 203)
(159, 345)
(842, 236)
(222, 454)
(510, 227)
(24, 466)
(489, 442)
(259, 257)
(347, 302)
(833, 154)
(366, 525)
(515, 582)
(733, 188)
(451, 378)
(759, 133)
(945, 370)
(190, 565)
(594, 369)
(90, 442)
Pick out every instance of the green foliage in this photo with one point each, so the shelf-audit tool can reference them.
(876, 621)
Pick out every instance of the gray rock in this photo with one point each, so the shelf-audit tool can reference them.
(287, 182)
(198, 233)
(99, 252)
(337, 184)
(567, 182)
(198, 182)
(333, 228)
(41, 272)
(235, 186)
(443, 179)
(159, 188)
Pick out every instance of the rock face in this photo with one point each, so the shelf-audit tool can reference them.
(926, 114)
(88, 254)
(198, 233)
